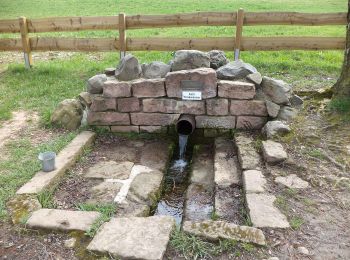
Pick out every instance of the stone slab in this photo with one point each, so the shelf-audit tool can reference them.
(215, 230)
(263, 213)
(273, 152)
(63, 220)
(254, 181)
(64, 160)
(248, 157)
(104, 192)
(134, 238)
(199, 203)
(292, 181)
(156, 155)
(110, 170)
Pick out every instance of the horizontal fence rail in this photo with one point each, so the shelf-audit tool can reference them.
(122, 23)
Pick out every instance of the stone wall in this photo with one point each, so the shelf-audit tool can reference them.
(152, 105)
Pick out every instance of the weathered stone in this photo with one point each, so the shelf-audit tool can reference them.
(199, 205)
(202, 167)
(250, 122)
(273, 152)
(115, 88)
(206, 76)
(296, 101)
(68, 114)
(153, 129)
(125, 129)
(156, 69)
(148, 88)
(21, 206)
(108, 118)
(247, 155)
(248, 107)
(132, 209)
(153, 119)
(235, 70)
(303, 250)
(215, 230)
(95, 84)
(277, 90)
(70, 243)
(292, 181)
(227, 122)
(110, 71)
(163, 105)
(64, 160)
(190, 59)
(236, 89)
(104, 192)
(217, 107)
(128, 68)
(155, 155)
(256, 78)
(263, 213)
(85, 99)
(110, 170)
(275, 128)
(100, 104)
(131, 104)
(254, 181)
(287, 113)
(272, 108)
(217, 59)
(63, 220)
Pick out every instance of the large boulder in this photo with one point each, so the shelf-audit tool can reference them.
(277, 91)
(68, 114)
(217, 59)
(190, 59)
(156, 69)
(275, 128)
(128, 68)
(272, 108)
(95, 84)
(235, 70)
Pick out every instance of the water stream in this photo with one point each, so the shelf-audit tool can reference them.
(182, 145)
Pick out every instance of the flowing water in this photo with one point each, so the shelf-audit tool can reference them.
(182, 145)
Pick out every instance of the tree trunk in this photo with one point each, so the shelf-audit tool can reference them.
(342, 87)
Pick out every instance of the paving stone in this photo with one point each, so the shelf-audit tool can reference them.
(199, 203)
(292, 181)
(110, 170)
(134, 238)
(273, 152)
(21, 206)
(215, 230)
(254, 181)
(64, 160)
(203, 166)
(263, 213)
(248, 157)
(155, 155)
(104, 192)
(63, 220)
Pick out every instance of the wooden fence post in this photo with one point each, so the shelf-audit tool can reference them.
(25, 42)
(239, 29)
(122, 35)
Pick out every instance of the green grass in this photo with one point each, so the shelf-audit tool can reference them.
(340, 105)
(296, 222)
(45, 198)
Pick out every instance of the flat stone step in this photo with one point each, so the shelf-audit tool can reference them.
(62, 220)
(249, 158)
(64, 160)
(273, 152)
(134, 238)
(254, 181)
(263, 213)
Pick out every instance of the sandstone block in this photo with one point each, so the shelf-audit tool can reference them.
(100, 104)
(131, 104)
(247, 155)
(248, 107)
(174, 106)
(206, 76)
(250, 122)
(273, 152)
(108, 118)
(254, 181)
(125, 129)
(153, 129)
(226, 122)
(148, 88)
(236, 89)
(115, 88)
(153, 119)
(292, 181)
(217, 107)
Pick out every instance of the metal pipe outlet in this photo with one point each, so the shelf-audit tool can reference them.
(185, 125)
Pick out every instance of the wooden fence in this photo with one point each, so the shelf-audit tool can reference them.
(123, 23)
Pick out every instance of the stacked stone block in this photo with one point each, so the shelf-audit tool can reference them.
(151, 105)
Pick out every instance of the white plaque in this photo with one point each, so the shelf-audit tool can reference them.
(191, 95)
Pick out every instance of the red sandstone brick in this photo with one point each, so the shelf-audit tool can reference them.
(248, 107)
(217, 107)
(172, 106)
(100, 104)
(108, 118)
(131, 104)
(226, 122)
(148, 88)
(125, 128)
(115, 88)
(251, 122)
(153, 129)
(206, 76)
(236, 89)
(148, 119)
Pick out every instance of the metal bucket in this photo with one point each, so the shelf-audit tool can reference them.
(47, 161)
